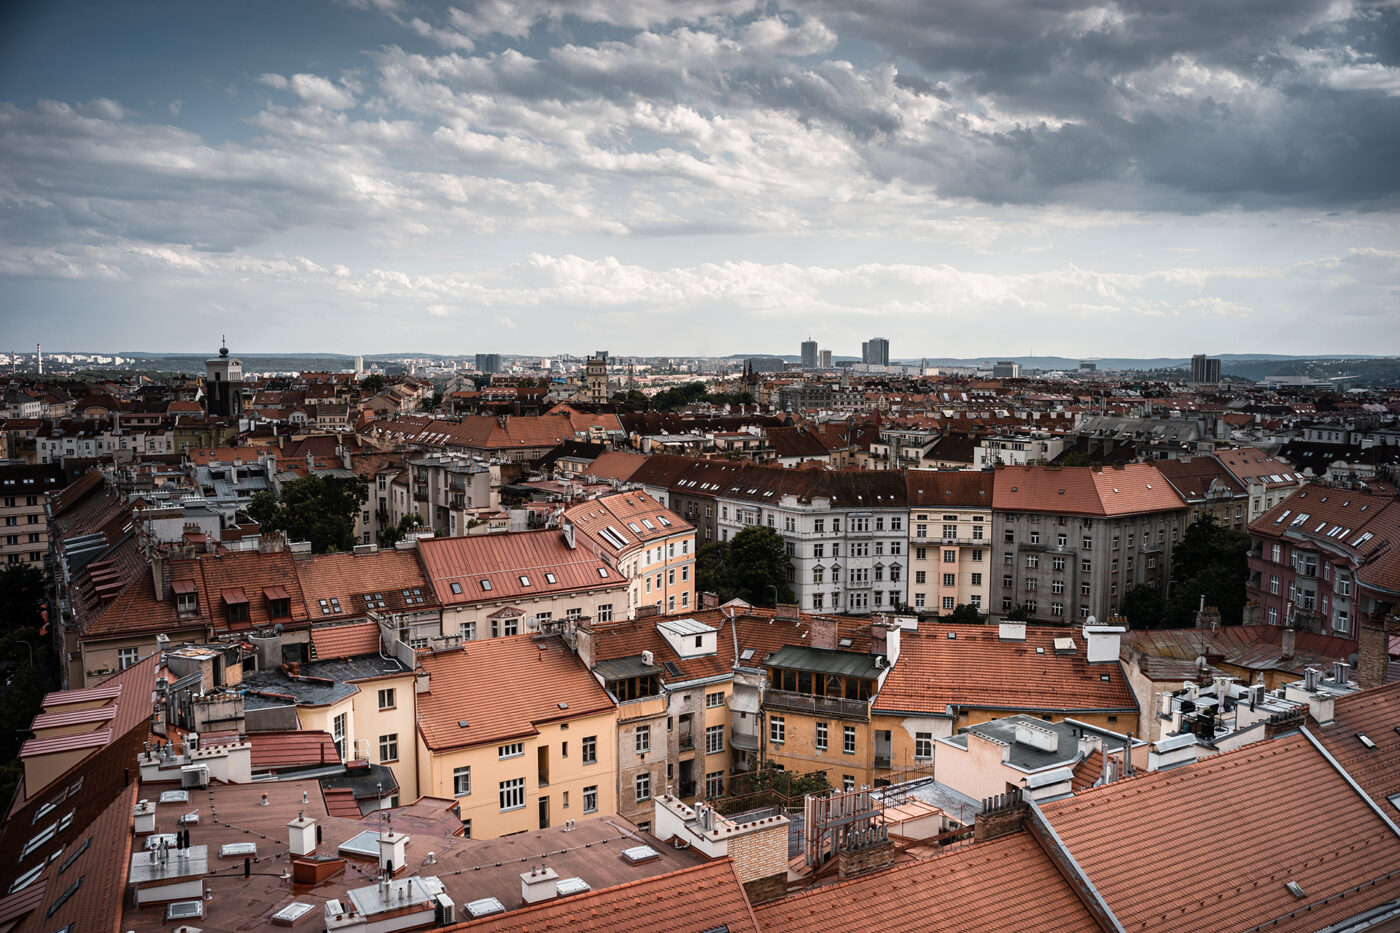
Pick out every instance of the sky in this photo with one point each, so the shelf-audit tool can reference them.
(1080, 178)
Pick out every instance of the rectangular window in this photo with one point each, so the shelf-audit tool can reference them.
(127, 657)
(643, 739)
(920, 576)
(590, 799)
(950, 579)
(513, 750)
(848, 742)
(1032, 560)
(590, 749)
(950, 557)
(605, 612)
(923, 745)
(513, 794)
(643, 787)
(386, 698)
(821, 736)
(462, 782)
(848, 782)
(714, 699)
(777, 730)
(389, 747)
(714, 740)
(714, 785)
(948, 602)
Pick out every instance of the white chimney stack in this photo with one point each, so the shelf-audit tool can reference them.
(538, 884)
(301, 835)
(1101, 642)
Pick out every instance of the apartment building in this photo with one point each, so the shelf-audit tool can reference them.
(950, 546)
(448, 490)
(535, 748)
(1321, 560)
(24, 537)
(491, 586)
(653, 547)
(1267, 479)
(1208, 489)
(1070, 541)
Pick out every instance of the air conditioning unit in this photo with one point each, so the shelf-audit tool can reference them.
(194, 776)
(443, 910)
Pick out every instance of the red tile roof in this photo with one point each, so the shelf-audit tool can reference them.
(952, 488)
(345, 641)
(1003, 884)
(977, 669)
(1374, 713)
(703, 897)
(502, 559)
(628, 514)
(528, 677)
(1210, 846)
(273, 751)
(1135, 488)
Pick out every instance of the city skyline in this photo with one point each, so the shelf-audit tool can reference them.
(1096, 181)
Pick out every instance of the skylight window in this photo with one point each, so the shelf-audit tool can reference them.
(486, 585)
(603, 572)
(1366, 741)
(524, 580)
(550, 578)
(456, 588)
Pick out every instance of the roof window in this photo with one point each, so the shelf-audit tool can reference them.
(486, 584)
(456, 587)
(524, 580)
(1366, 741)
(550, 578)
(603, 572)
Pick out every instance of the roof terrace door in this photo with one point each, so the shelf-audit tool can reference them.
(544, 812)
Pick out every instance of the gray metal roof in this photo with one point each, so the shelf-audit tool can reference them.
(824, 661)
(685, 627)
(622, 668)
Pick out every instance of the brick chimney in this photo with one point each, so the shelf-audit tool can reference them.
(823, 632)
(1002, 814)
(1373, 651)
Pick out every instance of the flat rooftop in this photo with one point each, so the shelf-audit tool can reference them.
(1028, 757)
(321, 682)
(468, 869)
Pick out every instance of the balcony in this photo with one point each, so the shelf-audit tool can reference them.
(743, 741)
(882, 762)
(835, 707)
(686, 742)
(641, 708)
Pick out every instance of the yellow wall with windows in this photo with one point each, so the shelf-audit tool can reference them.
(371, 723)
(799, 752)
(568, 776)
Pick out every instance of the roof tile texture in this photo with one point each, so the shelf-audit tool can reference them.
(978, 669)
(1002, 884)
(1209, 846)
(503, 688)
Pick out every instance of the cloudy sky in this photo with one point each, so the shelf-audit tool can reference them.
(1133, 178)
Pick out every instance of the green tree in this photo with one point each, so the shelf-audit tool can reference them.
(317, 508)
(1143, 606)
(964, 614)
(747, 567)
(1075, 458)
(1019, 613)
(394, 534)
(372, 384)
(1210, 562)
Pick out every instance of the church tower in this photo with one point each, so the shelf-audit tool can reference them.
(223, 384)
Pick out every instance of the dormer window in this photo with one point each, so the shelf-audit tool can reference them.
(186, 596)
(375, 601)
(279, 602)
(236, 604)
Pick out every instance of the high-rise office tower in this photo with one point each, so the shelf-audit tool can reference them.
(809, 354)
(875, 351)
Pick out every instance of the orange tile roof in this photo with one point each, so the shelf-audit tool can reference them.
(345, 641)
(503, 688)
(347, 577)
(1003, 884)
(1088, 771)
(276, 750)
(977, 669)
(703, 897)
(615, 464)
(1135, 488)
(502, 559)
(1210, 846)
(628, 514)
(1376, 714)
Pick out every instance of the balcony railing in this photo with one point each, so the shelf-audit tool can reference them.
(686, 742)
(882, 762)
(837, 707)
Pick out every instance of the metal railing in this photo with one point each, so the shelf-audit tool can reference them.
(838, 707)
